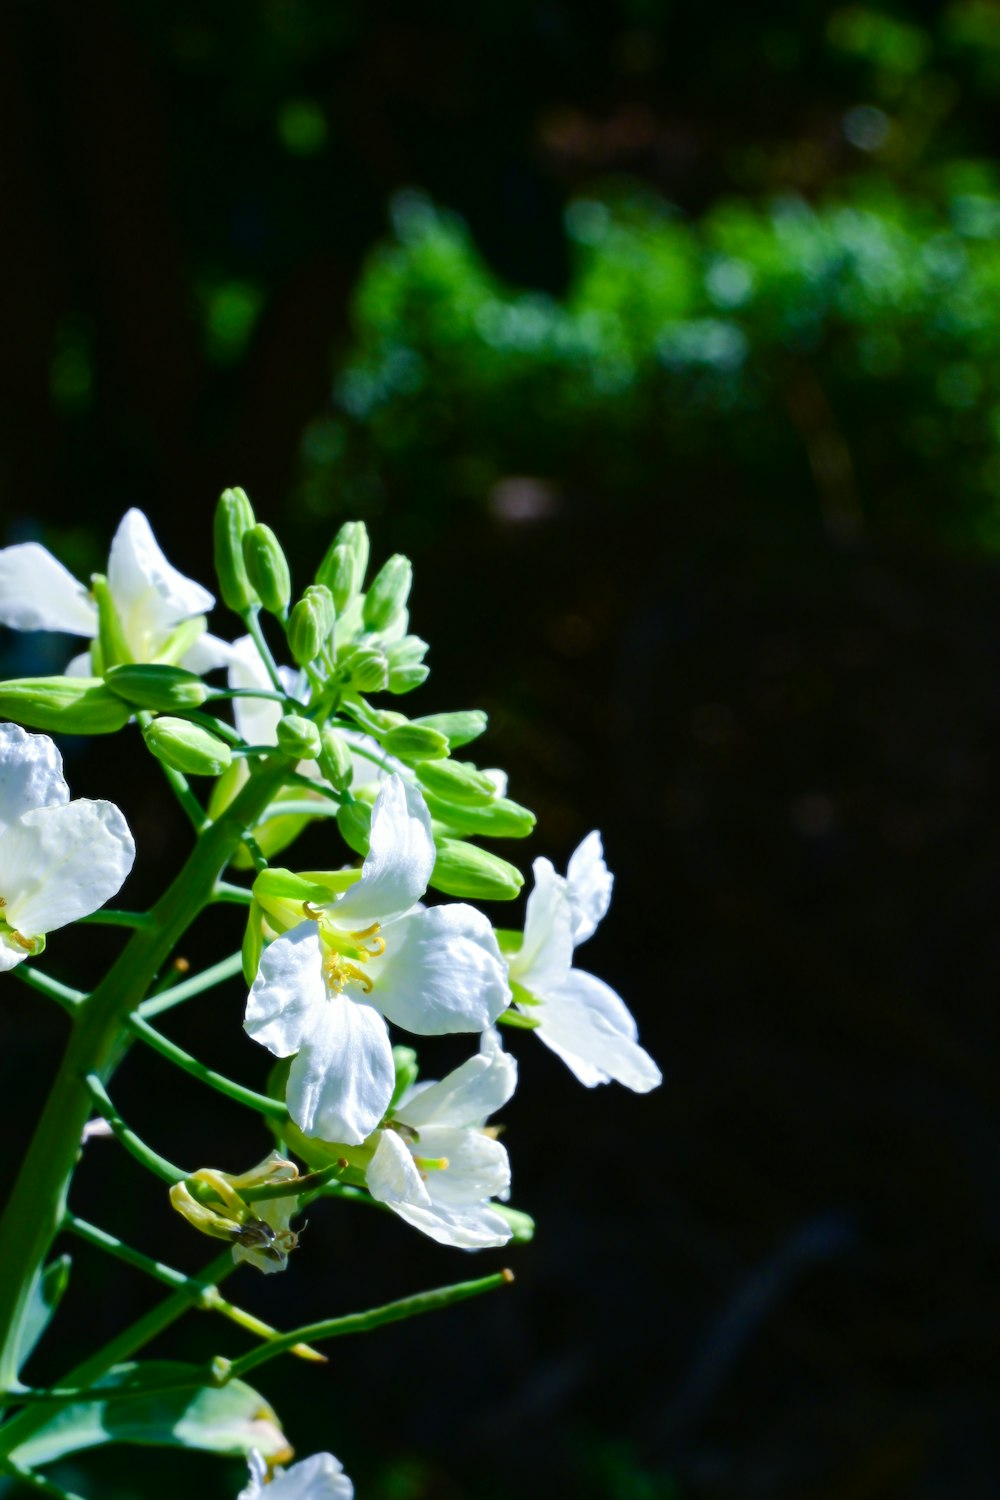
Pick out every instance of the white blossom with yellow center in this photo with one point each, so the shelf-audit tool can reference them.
(325, 989)
(320, 1477)
(151, 598)
(59, 860)
(438, 1164)
(579, 1017)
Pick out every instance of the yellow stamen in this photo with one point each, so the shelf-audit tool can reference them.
(26, 943)
(339, 970)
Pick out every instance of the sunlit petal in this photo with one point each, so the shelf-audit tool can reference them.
(37, 593)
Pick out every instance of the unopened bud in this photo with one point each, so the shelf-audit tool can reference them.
(153, 685)
(354, 820)
(233, 519)
(522, 1225)
(388, 593)
(267, 568)
(465, 870)
(298, 737)
(311, 623)
(406, 668)
(456, 781)
(499, 819)
(63, 705)
(458, 728)
(367, 668)
(412, 743)
(110, 635)
(187, 747)
(354, 534)
(335, 759)
(339, 573)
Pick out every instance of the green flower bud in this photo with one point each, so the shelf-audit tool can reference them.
(267, 568)
(522, 1225)
(411, 743)
(367, 668)
(110, 635)
(388, 593)
(354, 820)
(63, 705)
(156, 686)
(465, 870)
(456, 781)
(310, 624)
(339, 573)
(335, 759)
(354, 534)
(405, 1062)
(298, 737)
(405, 679)
(233, 519)
(499, 819)
(406, 669)
(187, 747)
(407, 651)
(459, 728)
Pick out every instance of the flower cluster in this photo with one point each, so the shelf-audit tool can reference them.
(390, 937)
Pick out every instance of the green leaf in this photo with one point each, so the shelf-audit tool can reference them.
(46, 1294)
(229, 1420)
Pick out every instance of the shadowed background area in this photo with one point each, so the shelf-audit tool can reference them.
(665, 342)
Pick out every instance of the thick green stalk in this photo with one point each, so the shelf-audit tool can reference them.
(36, 1205)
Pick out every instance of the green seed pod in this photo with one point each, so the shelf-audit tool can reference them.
(412, 743)
(298, 737)
(335, 760)
(233, 519)
(354, 820)
(339, 573)
(472, 873)
(311, 624)
(267, 568)
(456, 781)
(499, 819)
(388, 593)
(459, 728)
(63, 705)
(156, 686)
(187, 747)
(367, 668)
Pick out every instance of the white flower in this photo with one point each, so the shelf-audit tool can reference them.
(320, 1477)
(578, 1016)
(436, 1166)
(151, 599)
(323, 989)
(59, 860)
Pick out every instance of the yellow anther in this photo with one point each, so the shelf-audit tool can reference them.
(431, 1164)
(311, 910)
(26, 943)
(377, 947)
(339, 970)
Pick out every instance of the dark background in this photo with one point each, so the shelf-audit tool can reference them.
(743, 619)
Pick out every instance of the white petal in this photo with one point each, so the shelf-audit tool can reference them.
(467, 1096)
(478, 1166)
(30, 774)
(441, 971)
(256, 718)
(586, 1024)
(289, 993)
(340, 1084)
(399, 861)
(546, 954)
(60, 863)
(149, 593)
(10, 953)
(320, 1477)
(80, 666)
(499, 780)
(392, 1175)
(589, 881)
(37, 593)
(258, 1473)
(207, 653)
(394, 1180)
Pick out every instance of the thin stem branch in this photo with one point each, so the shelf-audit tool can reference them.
(272, 1108)
(252, 621)
(134, 1145)
(225, 969)
(109, 917)
(376, 1317)
(238, 894)
(37, 1482)
(62, 994)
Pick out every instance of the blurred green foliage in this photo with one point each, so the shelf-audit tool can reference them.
(860, 335)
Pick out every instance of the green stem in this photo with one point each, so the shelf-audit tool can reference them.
(134, 1144)
(238, 894)
(264, 1105)
(312, 809)
(364, 1322)
(109, 917)
(252, 622)
(36, 1482)
(62, 994)
(226, 968)
(37, 1203)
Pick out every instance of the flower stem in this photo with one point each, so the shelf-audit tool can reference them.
(225, 969)
(62, 994)
(264, 1105)
(375, 1317)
